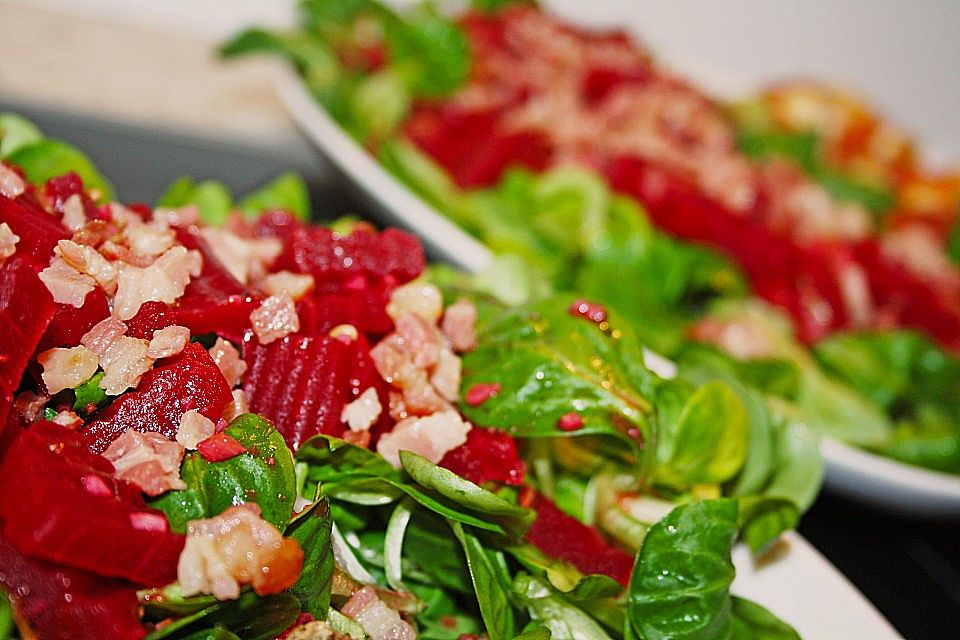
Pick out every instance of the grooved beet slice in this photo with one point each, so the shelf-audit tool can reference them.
(189, 380)
(365, 309)
(487, 455)
(69, 324)
(301, 383)
(26, 309)
(60, 503)
(562, 536)
(68, 604)
(39, 231)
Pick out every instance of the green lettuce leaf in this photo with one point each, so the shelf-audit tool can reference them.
(45, 159)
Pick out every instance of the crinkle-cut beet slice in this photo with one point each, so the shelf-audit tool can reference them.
(188, 380)
(301, 383)
(562, 536)
(488, 455)
(365, 309)
(61, 188)
(38, 230)
(351, 261)
(26, 309)
(60, 603)
(60, 503)
(69, 324)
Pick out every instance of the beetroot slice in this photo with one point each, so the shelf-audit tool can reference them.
(26, 309)
(487, 455)
(39, 231)
(301, 383)
(98, 607)
(69, 324)
(60, 503)
(365, 309)
(189, 380)
(61, 188)
(564, 537)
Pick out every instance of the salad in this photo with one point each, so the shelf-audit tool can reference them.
(221, 421)
(792, 240)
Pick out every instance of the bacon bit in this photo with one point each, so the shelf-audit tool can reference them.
(194, 428)
(358, 438)
(570, 421)
(148, 460)
(309, 630)
(74, 215)
(147, 240)
(918, 248)
(244, 258)
(419, 339)
(162, 281)
(180, 217)
(446, 375)
(93, 233)
(228, 359)
(363, 411)
(123, 359)
(593, 312)
(8, 242)
(416, 298)
(379, 621)
(66, 284)
(29, 405)
(743, 336)
(345, 333)
(68, 419)
(67, 368)
(103, 335)
(295, 285)
(275, 318)
(11, 184)
(431, 436)
(481, 392)
(168, 341)
(88, 261)
(459, 325)
(397, 407)
(236, 407)
(394, 364)
(234, 548)
(220, 447)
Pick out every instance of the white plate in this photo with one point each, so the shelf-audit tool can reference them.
(800, 586)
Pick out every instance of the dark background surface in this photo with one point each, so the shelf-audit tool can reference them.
(908, 567)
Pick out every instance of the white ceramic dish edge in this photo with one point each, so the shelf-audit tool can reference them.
(801, 586)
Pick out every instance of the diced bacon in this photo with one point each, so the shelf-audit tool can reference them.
(396, 366)
(309, 630)
(8, 242)
(446, 375)
(275, 318)
(431, 437)
(29, 405)
(148, 240)
(162, 281)
(87, 260)
(147, 460)
(194, 428)
(744, 337)
(93, 233)
(237, 548)
(416, 298)
(379, 621)
(419, 339)
(124, 216)
(295, 285)
(168, 341)
(236, 407)
(66, 284)
(244, 258)
(459, 325)
(178, 217)
(11, 184)
(67, 368)
(67, 419)
(918, 248)
(123, 359)
(74, 214)
(360, 414)
(229, 361)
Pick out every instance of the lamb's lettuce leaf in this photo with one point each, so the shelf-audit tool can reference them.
(45, 158)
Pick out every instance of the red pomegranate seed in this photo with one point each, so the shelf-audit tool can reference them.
(570, 421)
(589, 311)
(220, 447)
(481, 392)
